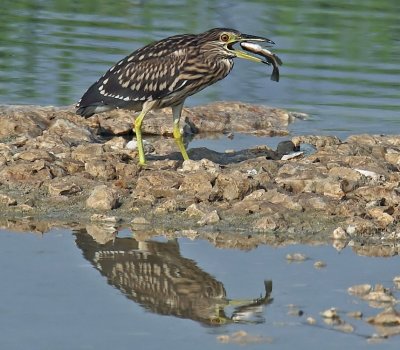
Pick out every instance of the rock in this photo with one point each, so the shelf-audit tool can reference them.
(339, 234)
(7, 200)
(209, 218)
(70, 133)
(330, 313)
(381, 217)
(159, 183)
(360, 289)
(116, 144)
(319, 264)
(389, 317)
(85, 153)
(196, 210)
(102, 198)
(232, 186)
(296, 257)
(197, 185)
(37, 154)
(311, 320)
(100, 169)
(63, 187)
(22, 120)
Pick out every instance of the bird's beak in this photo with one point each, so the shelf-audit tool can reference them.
(250, 38)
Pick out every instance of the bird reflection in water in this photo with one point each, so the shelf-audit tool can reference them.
(156, 276)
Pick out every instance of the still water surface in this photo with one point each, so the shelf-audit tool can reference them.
(64, 290)
(341, 58)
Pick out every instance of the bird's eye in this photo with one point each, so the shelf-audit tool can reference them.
(224, 37)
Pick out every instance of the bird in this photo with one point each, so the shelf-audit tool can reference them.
(163, 74)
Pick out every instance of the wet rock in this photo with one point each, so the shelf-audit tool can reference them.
(330, 313)
(311, 320)
(360, 289)
(320, 264)
(296, 257)
(389, 317)
(102, 198)
(339, 234)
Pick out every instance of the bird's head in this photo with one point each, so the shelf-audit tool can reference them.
(221, 41)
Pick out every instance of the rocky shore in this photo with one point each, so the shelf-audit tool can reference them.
(59, 167)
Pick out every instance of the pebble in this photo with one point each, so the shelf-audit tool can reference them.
(330, 313)
(319, 264)
(296, 257)
(339, 234)
(360, 289)
(311, 320)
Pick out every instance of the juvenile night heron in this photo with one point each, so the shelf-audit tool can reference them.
(163, 74)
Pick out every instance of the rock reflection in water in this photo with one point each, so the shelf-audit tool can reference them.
(156, 276)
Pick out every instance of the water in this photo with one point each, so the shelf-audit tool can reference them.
(64, 290)
(341, 59)
(341, 65)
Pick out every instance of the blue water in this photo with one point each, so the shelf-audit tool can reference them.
(57, 292)
(341, 59)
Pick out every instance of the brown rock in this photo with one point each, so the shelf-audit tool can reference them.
(100, 169)
(159, 183)
(209, 218)
(70, 133)
(232, 186)
(63, 187)
(197, 185)
(103, 198)
(85, 153)
(7, 200)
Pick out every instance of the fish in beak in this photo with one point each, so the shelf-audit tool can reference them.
(250, 44)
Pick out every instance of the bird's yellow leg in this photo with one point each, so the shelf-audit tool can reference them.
(138, 130)
(176, 113)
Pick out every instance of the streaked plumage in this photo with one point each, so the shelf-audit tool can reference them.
(163, 74)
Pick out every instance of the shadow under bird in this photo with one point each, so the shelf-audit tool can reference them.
(164, 73)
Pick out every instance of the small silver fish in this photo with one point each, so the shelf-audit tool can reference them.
(270, 57)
